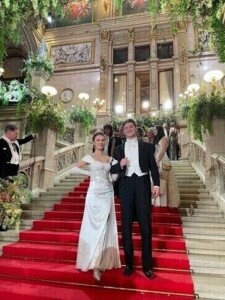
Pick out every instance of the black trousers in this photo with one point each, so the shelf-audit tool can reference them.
(135, 196)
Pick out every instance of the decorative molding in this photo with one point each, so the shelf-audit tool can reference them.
(105, 35)
(75, 54)
(66, 95)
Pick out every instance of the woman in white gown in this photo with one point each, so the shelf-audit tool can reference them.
(98, 247)
(170, 194)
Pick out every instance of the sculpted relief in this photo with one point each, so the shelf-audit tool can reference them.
(71, 54)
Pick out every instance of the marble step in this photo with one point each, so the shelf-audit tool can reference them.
(35, 205)
(209, 286)
(205, 244)
(193, 190)
(196, 196)
(198, 204)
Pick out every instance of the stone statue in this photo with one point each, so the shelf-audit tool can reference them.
(42, 50)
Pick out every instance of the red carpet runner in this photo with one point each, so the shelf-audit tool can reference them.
(41, 265)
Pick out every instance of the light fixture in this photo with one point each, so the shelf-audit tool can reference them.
(49, 91)
(98, 104)
(213, 76)
(193, 88)
(83, 96)
(168, 104)
(145, 104)
(49, 17)
(119, 109)
(1, 70)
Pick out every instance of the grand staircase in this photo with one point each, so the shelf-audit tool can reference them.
(203, 227)
(204, 230)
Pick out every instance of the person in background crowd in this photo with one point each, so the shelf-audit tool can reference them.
(10, 158)
(173, 142)
(98, 247)
(150, 135)
(170, 196)
(166, 132)
(141, 134)
(135, 160)
(111, 141)
(10, 151)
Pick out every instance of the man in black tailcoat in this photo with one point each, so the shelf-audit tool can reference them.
(10, 151)
(135, 161)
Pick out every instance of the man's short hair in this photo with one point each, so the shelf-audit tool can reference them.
(129, 121)
(11, 127)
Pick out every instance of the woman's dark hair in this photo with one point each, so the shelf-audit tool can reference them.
(140, 131)
(160, 133)
(108, 126)
(128, 121)
(96, 134)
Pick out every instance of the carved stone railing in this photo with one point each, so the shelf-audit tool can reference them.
(198, 157)
(64, 159)
(217, 186)
(208, 159)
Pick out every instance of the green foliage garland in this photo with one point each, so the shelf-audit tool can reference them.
(83, 115)
(201, 111)
(44, 113)
(13, 14)
(39, 63)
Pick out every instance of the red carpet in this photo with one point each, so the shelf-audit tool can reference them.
(41, 265)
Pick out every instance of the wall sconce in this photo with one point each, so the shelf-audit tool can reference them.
(49, 91)
(98, 104)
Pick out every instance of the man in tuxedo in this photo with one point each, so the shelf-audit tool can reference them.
(10, 151)
(135, 160)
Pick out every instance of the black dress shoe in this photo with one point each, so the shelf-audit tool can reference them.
(148, 273)
(128, 270)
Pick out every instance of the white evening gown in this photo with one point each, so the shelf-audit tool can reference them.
(98, 241)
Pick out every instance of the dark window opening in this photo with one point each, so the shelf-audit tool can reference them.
(142, 53)
(120, 56)
(165, 50)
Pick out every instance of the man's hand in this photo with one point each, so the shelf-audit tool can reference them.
(123, 162)
(35, 136)
(155, 191)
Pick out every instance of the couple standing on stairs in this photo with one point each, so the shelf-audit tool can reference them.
(98, 247)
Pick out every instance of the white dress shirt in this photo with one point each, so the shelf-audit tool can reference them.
(131, 153)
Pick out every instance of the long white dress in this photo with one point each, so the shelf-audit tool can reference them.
(98, 241)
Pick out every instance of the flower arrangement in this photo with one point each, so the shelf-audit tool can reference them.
(11, 196)
(15, 91)
(3, 90)
(201, 110)
(84, 115)
(43, 113)
(146, 121)
(39, 63)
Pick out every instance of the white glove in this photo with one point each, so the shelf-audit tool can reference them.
(76, 170)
